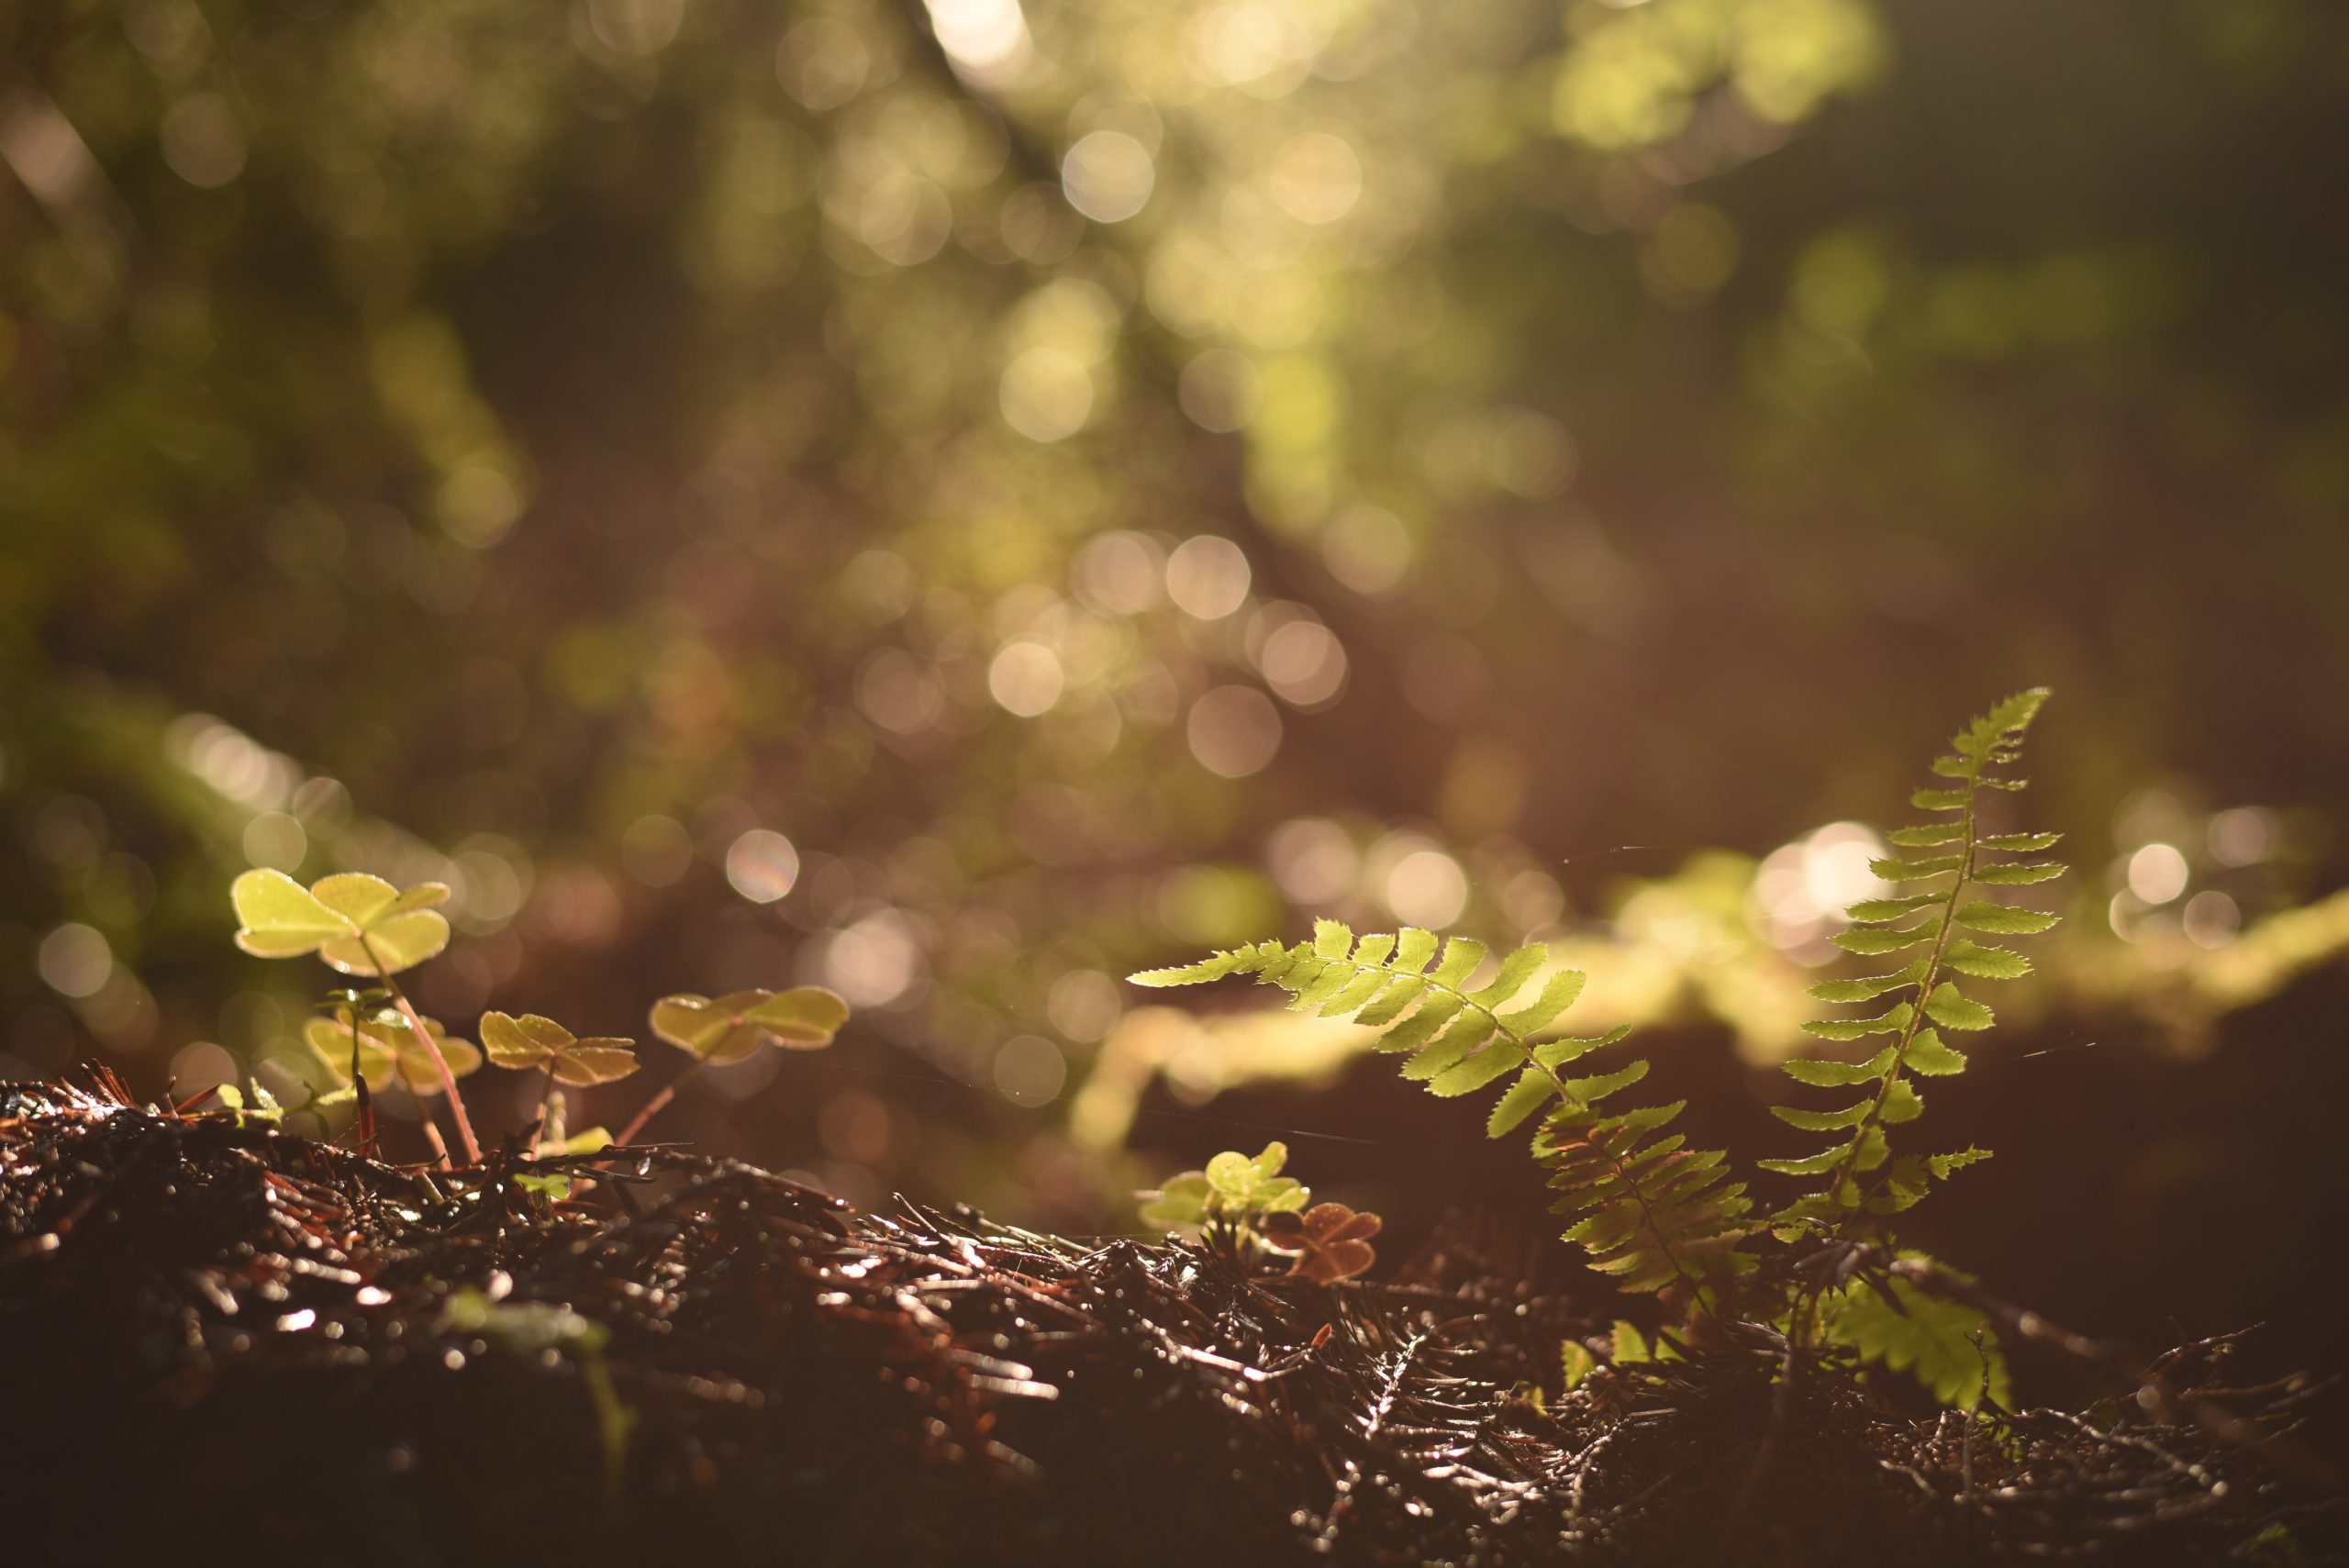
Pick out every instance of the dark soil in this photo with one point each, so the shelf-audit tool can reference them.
(221, 1344)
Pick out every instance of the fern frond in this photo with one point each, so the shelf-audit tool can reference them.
(1862, 1176)
(1649, 1212)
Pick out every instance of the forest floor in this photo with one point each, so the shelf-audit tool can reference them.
(229, 1342)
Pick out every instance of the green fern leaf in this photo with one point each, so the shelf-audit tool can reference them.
(1915, 871)
(1198, 973)
(1413, 948)
(1824, 1121)
(1941, 799)
(1465, 1033)
(2022, 843)
(1870, 987)
(1872, 942)
(1421, 1026)
(1927, 1055)
(1532, 1091)
(1876, 911)
(1354, 995)
(1478, 1070)
(2022, 873)
(1834, 1074)
(1570, 1048)
(1817, 1164)
(1986, 963)
(1327, 981)
(1592, 1090)
(1516, 970)
(1557, 995)
(2004, 920)
(1927, 836)
(1951, 1009)
(1399, 994)
(2010, 716)
(1461, 957)
(1945, 1166)
(1891, 1022)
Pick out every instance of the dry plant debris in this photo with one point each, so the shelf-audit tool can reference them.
(224, 1340)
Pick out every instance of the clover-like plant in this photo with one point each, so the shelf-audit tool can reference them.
(359, 925)
(384, 1044)
(716, 1030)
(363, 926)
(533, 1040)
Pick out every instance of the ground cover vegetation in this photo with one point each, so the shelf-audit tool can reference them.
(947, 504)
(603, 1348)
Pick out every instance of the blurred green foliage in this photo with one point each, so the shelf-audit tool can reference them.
(957, 499)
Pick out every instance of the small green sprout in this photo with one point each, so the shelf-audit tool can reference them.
(1332, 1243)
(1233, 1189)
(730, 1028)
(389, 1050)
(1244, 1199)
(555, 1185)
(532, 1040)
(263, 1107)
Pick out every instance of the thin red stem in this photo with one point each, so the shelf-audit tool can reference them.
(440, 1063)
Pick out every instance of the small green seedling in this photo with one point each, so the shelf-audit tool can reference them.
(389, 1050)
(532, 1040)
(1244, 1201)
(382, 1044)
(1233, 1190)
(716, 1030)
(231, 1101)
(554, 1138)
